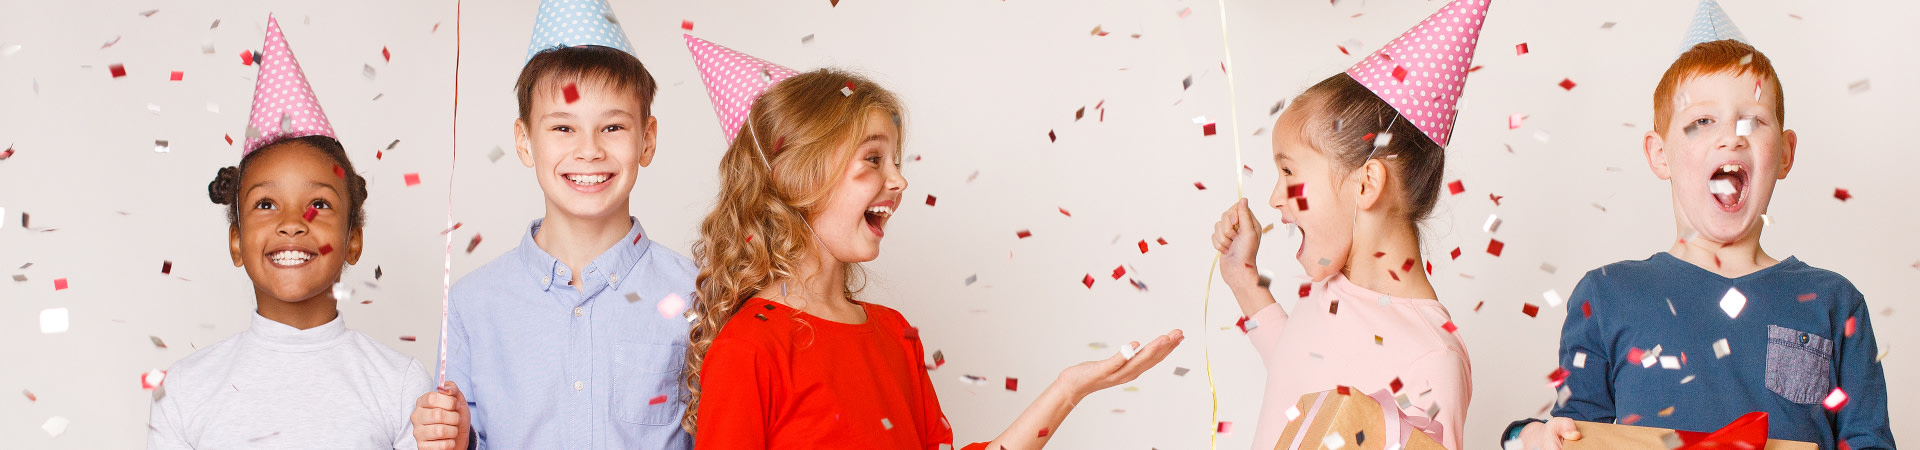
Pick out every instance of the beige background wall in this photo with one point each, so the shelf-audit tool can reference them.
(984, 83)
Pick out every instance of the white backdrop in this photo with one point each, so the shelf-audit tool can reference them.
(984, 83)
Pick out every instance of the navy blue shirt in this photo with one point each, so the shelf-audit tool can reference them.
(1787, 348)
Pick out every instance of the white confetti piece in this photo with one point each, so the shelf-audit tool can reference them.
(1382, 140)
(1670, 362)
(1127, 351)
(367, 71)
(1688, 379)
(53, 320)
(494, 156)
(672, 306)
(213, 107)
(1580, 360)
(888, 424)
(1333, 441)
(1293, 412)
(1542, 136)
(1552, 296)
(1733, 302)
(9, 49)
(1859, 86)
(1720, 186)
(1743, 127)
(55, 426)
(153, 108)
(342, 293)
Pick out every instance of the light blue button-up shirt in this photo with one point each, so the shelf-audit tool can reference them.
(546, 366)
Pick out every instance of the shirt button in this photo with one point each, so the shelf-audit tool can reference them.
(577, 312)
(559, 271)
(579, 385)
(613, 278)
(546, 280)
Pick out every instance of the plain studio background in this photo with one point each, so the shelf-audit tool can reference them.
(984, 83)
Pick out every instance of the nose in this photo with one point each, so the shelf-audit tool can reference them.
(292, 224)
(896, 182)
(592, 150)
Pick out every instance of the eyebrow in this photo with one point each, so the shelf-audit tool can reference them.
(243, 193)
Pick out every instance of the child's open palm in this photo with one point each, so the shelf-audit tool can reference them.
(1092, 376)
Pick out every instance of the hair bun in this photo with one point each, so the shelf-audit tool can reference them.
(224, 186)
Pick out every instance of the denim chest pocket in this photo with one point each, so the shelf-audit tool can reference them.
(1799, 364)
(643, 373)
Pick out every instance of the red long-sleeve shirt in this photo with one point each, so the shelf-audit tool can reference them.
(778, 378)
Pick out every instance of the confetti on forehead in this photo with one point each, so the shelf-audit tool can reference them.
(283, 103)
(567, 23)
(1421, 72)
(734, 80)
(1710, 23)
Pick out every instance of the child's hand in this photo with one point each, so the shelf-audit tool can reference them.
(1547, 436)
(1237, 237)
(1091, 376)
(440, 419)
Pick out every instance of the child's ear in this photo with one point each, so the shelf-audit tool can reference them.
(1786, 154)
(233, 243)
(1373, 181)
(1656, 149)
(353, 246)
(649, 138)
(522, 143)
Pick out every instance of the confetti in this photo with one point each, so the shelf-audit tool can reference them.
(166, 268)
(672, 306)
(1586, 309)
(1548, 268)
(1743, 127)
(1567, 83)
(1063, 212)
(117, 70)
(475, 242)
(1179, 371)
(1529, 309)
(1842, 194)
(1515, 121)
(1333, 441)
(1455, 253)
(1207, 130)
(495, 154)
(1557, 377)
(1450, 327)
(1580, 360)
(1333, 307)
(686, 25)
(1721, 349)
(30, 397)
(972, 278)
(1051, 137)
(1520, 49)
(1850, 327)
(847, 91)
(247, 57)
(386, 55)
(1119, 272)
(1023, 234)
(571, 93)
(1670, 362)
(1400, 74)
(1835, 400)
(808, 39)
(1127, 351)
(176, 76)
(1859, 86)
(1733, 302)
(1198, 185)
(1300, 203)
(55, 426)
(1186, 83)
(310, 213)
(1494, 247)
(1492, 225)
(9, 50)
(53, 320)
(1143, 246)
(413, 179)
(1013, 384)
(160, 146)
(59, 284)
(1088, 280)
(1223, 427)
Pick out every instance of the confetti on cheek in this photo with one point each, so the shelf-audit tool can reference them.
(473, 243)
(325, 249)
(1494, 247)
(1296, 190)
(310, 213)
(1520, 49)
(1300, 203)
(1407, 266)
(413, 179)
(1835, 400)
(1567, 83)
(1743, 127)
(571, 93)
(1456, 187)
(1842, 194)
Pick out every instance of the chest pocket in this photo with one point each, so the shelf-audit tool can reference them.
(1799, 364)
(642, 373)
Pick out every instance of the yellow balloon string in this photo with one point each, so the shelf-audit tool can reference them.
(1239, 190)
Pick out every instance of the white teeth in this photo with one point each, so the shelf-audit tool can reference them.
(1729, 168)
(1720, 187)
(586, 180)
(881, 210)
(290, 257)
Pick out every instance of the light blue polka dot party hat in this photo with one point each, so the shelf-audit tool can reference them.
(566, 23)
(1710, 23)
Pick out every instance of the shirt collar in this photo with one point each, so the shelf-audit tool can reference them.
(287, 337)
(612, 265)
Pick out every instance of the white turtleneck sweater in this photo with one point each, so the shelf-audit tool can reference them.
(274, 386)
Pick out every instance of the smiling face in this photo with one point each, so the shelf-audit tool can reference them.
(586, 153)
(854, 218)
(1310, 195)
(1722, 151)
(289, 257)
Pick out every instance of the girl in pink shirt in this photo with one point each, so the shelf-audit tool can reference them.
(1358, 175)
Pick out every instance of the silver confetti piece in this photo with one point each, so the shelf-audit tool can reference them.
(160, 146)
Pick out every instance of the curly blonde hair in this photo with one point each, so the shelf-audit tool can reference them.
(757, 231)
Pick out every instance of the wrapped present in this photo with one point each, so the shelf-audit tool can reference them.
(1749, 432)
(1343, 419)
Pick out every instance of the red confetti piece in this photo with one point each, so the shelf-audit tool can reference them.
(658, 399)
(1343, 389)
(325, 249)
(1455, 253)
(1013, 384)
(117, 70)
(686, 25)
(1567, 83)
(1494, 246)
(386, 55)
(30, 397)
(1207, 130)
(571, 93)
(152, 380)
(176, 76)
(1850, 326)
(1476, 306)
(1051, 137)
(1495, 198)
(1456, 187)
(1305, 289)
(1450, 327)
(1406, 266)
(1343, 49)
(1515, 121)
(1143, 246)
(1300, 203)
(1333, 307)
(636, 241)
(246, 57)
(930, 200)
(228, 136)
(1557, 377)
(59, 284)
(413, 179)
(1841, 194)
(1475, 69)
(409, 338)
(166, 267)
(310, 213)
(472, 243)
(1119, 271)
(1520, 49)
(1368, 137)
(1630, 419)
(1530, 310)
(1223, 427)
(1023, 234)
(339, 172)
(1399, 74)
(379, 154)
(1808, 296)
(1063, 212)
(1835, 400)
(1197, 185)
(1429, 267)
(1395, 275)
(1163, 241)
(1296, 190)
(1087, 281)
(1586, 309)
(1635, 354)
(1242, 323)
(1379, 254)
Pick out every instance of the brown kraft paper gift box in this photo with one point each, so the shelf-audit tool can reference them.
(1350, 416)
(1604, 436)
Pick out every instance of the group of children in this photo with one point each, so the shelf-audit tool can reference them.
(589, 334)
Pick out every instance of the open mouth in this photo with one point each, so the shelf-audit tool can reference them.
(290, 258)
(1728, 184)
(587, 179)
(877, 216)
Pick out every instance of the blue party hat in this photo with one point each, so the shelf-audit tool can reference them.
(566, 23)
(1710, 23)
